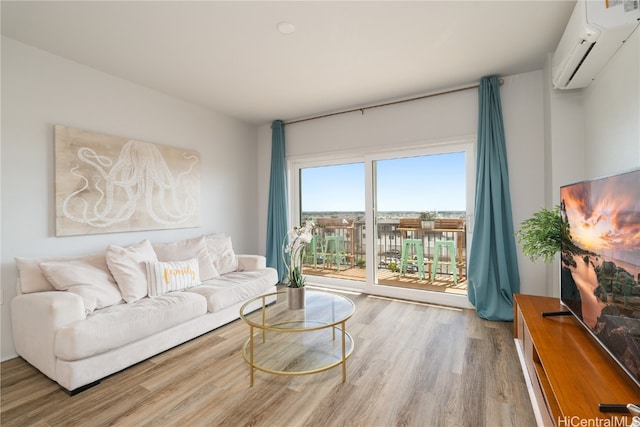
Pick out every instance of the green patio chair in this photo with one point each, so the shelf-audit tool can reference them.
(451, 247)
(407, 246)
(334, 250)
(310, 252)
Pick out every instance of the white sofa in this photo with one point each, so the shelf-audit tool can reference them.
(80, 319)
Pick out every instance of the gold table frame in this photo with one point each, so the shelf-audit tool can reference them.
(323, 310)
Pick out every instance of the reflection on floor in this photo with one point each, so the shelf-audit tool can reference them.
(442, 282)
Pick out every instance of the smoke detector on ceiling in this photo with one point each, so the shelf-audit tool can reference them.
(286, 27)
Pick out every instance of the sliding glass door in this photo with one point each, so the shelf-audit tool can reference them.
(393, 223)
(420, 213)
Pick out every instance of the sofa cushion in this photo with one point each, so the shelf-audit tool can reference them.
(235, 287)
(33, 280)
(221, 250)
(119, 325)
(164, 277)
(186, 249)
(96, 286)
(127, 267)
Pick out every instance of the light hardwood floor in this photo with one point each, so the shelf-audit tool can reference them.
(413, 365)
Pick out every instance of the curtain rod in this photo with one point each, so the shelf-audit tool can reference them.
(417, 98)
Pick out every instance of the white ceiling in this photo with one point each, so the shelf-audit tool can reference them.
(230, 57)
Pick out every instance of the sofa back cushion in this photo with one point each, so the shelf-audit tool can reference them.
(185, 250)
(32, 278)
(170, 276)
(96, 286)
(128, 268)
(221, 250)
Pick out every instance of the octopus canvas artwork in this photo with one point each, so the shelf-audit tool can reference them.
(107, 184)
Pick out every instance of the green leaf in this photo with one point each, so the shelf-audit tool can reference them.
(541, 235)
(296, 278)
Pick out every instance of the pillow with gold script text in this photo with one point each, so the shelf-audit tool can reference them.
(170, 276)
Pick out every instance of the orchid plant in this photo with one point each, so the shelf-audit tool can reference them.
(299, 238)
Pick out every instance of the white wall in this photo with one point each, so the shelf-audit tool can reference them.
(564, 154)
(523, 111)
(612, 114)
(433, 120)
(40, 90)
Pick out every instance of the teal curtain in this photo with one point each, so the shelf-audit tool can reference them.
(493, 275)
(277, 211)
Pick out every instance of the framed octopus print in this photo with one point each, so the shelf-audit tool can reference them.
(107, 184)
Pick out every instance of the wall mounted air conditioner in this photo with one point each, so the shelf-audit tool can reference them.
(596, 30)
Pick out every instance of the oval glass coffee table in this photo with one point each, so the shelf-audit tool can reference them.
(298, 342)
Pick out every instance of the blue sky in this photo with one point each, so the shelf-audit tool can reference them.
(424, 183)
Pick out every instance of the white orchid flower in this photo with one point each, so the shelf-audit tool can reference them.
(306, 237)
(299, 238)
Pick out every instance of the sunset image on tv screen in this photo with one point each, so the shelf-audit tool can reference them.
(604, 217)
(601, 262)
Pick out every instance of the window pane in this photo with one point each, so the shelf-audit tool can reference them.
(338, 188)
(334, 197)
(424, 183)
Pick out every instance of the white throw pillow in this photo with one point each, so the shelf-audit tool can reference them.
(96, 286)
(127, 267)
(163, 277)
(187, 249)
(221, 250)
(33, 280)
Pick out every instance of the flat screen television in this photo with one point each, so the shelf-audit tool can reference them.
(600, 262)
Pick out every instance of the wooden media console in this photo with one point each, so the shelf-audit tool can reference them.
(568, 373)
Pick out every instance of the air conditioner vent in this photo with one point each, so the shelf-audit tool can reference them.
(591, 45)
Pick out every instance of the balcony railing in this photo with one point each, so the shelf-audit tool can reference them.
(349, 234)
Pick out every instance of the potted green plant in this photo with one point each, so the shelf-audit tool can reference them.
(393, 267)
(541, 235)
(428, 218)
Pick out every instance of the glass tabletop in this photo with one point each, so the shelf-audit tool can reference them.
(322, 309)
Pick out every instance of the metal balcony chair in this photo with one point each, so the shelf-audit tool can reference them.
(312, 250)
(451, 248)
(334, 250)
(407, 246)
